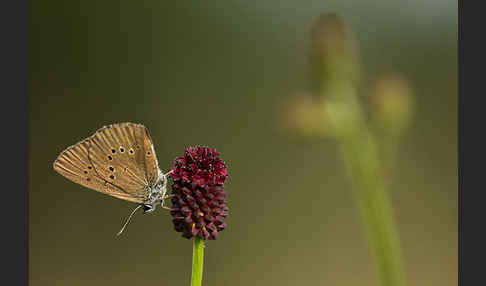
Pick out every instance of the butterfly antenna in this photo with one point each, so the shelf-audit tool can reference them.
(128, 220)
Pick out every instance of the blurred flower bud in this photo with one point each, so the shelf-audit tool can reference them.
(303, 114)
(331, 51)
(392, 103)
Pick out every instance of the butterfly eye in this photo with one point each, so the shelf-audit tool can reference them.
(110, 158)
(113, 151)
(86, 172)
(112, 169)
(112, 177)
(148, 153)
(148, 209)
(89, 167)
(131, 151)
(122, 150)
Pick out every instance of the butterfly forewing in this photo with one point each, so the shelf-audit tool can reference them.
(118, 153)
(74, 164)
(151, 164)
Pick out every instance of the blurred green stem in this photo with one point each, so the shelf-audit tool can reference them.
(341, 116)
(389, 149)
(359, 151)
(197, 261)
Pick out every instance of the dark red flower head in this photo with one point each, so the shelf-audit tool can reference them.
(199, 202)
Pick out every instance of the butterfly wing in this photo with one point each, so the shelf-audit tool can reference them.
(74, 164)
(123, 155)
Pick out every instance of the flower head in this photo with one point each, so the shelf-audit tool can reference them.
(199, 201)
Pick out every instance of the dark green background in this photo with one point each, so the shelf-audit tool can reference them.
(214, 73)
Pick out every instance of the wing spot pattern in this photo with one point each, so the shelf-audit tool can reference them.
(130, 138)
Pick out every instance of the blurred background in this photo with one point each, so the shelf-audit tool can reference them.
(214, 73)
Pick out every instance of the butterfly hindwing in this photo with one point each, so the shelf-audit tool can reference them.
(119, 155)
(74, 164)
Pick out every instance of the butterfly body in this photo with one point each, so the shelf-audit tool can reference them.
(156, 194)
(117, 160)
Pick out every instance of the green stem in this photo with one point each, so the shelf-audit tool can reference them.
(359, 151)
(375, 208)
(197, 261)
(345, 120)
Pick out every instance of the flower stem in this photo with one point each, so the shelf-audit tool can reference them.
(343, 118)
(359, 151)
(197, 261)
(375, 208)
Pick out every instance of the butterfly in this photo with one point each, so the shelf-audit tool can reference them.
(118, 160)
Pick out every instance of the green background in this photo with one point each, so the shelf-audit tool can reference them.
(214, 73)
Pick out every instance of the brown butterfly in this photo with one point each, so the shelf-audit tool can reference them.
(118, 160)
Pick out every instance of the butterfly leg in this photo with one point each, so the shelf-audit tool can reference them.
(163, 200)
